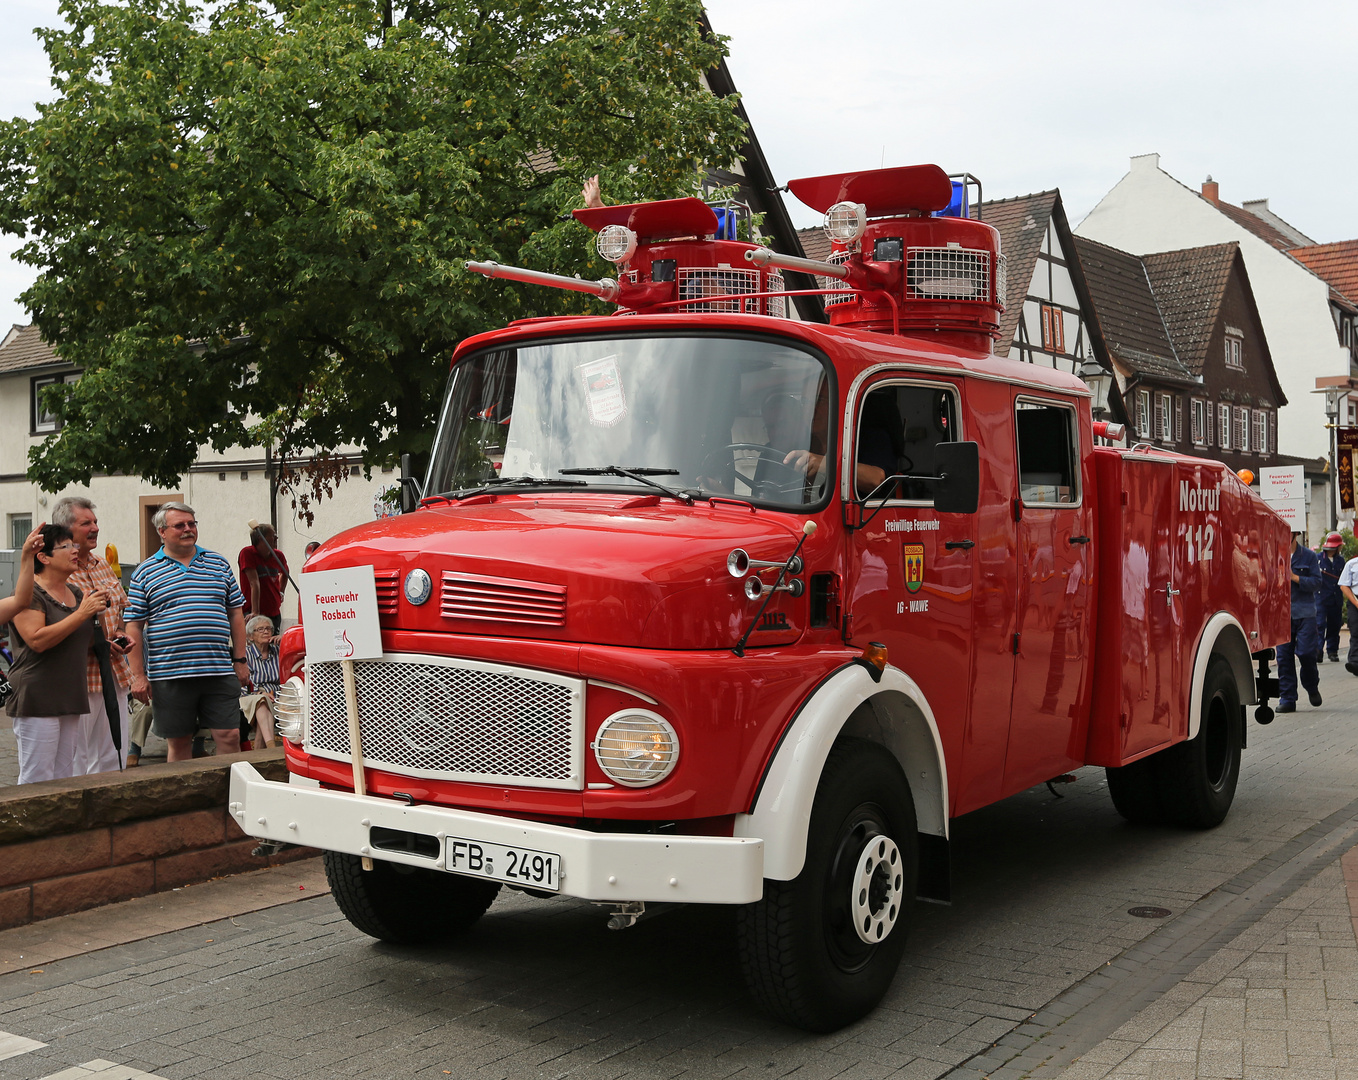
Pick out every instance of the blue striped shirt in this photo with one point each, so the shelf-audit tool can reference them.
(186, 612)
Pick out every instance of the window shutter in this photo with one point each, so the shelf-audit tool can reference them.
(1178, 419)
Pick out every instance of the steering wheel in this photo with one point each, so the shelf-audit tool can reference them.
(786, 479)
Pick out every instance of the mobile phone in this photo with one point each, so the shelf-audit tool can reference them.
(122, 641)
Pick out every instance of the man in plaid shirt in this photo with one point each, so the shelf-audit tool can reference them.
(94, 751)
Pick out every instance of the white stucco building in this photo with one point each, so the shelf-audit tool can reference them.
(1150, 211)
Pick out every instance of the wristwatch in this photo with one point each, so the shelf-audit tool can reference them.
(238, 660)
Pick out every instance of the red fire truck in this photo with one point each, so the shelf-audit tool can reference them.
(703, 604)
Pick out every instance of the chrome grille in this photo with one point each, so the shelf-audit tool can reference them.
(843, 293)
(775, 305)
(1001, 282)
(468, 596)
(947, 273)
(697, 282)
(442, 719)
(388, 584)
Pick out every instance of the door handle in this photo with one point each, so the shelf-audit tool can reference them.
(952, 545)
(1170, 593)
(1079, 539)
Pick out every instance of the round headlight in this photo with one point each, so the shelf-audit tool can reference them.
(418, 587)
(636, 748)
(289, 710)
(616, 243)
(846, 221)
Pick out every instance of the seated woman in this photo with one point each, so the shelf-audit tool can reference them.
(261, 657)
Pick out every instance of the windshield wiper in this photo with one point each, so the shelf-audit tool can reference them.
(504, 481)
(641, 474)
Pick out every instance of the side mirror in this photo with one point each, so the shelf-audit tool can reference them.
(958, 488)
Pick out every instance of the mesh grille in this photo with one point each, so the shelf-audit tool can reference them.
(775, 305)
(388, 590)
(947, 273)
(697, 282)
(844, 294)
(1001, 282)
(454, 720)
(467, 596)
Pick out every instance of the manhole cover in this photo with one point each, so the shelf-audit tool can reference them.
(1150, 912)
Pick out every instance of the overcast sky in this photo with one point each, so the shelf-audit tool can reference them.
(1026, 96)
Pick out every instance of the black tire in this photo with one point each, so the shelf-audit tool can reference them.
(1135, 790)
(1200, 775)
(406, 905)
(1192, 784)
(803, 960)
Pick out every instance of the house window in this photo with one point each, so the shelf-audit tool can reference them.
(1240, 437)
(1234, 354)
(1260, 431)
(1224, 426)
(1199, 422)
(20, 525)
(1143, 414)
(1353, 413)
(41, 419)
(1053, 329)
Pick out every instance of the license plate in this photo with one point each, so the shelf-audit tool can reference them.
(517, 866)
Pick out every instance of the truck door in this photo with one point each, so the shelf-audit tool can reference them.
(910, 580)
(1052, 640)
(1152, 661)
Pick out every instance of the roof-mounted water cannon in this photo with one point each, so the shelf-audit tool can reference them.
(909, 257)
(673, 256)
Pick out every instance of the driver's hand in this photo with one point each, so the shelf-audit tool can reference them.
(805, 459)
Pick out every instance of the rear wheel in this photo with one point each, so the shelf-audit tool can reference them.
(406, 905)
(1193, 783)
(1200, 775)
(820, 951)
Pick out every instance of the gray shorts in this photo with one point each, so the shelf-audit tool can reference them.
(181, 706)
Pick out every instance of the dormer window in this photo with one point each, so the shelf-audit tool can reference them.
(1234, 353)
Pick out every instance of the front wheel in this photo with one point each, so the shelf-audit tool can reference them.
(820, 951)
(406, 905)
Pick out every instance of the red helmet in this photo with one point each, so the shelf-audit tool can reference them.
(1334, 540)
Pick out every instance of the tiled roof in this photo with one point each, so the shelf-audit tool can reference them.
(1257, 225)
(1022, 223)
(1128, 314)
(1189, 286)
(23, 348)
(1336, 263)
(815, 244)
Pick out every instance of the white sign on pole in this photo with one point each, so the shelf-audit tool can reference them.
(339, 614)
(1282, 484)
(1292, 511)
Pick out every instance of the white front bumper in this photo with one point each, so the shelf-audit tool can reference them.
(594, 866)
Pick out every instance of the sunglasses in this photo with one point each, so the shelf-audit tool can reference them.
(68, 546)
(182, 525)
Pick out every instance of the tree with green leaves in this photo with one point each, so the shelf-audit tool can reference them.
(250, 219)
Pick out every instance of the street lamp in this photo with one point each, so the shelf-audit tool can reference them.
(1100, 382)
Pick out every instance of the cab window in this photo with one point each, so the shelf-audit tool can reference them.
(898, 428)
(1046, 453)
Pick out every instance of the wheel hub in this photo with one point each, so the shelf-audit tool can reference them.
(877, 890)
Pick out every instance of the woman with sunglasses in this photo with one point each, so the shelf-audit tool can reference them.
(52, 641)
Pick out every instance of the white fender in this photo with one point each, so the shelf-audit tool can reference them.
(1235, 650)
(901, 720)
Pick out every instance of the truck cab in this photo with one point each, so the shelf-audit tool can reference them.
(701, 604)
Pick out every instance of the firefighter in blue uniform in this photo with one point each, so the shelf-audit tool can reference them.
(1303, 647)
(1329, 600)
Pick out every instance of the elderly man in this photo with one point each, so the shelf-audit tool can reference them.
(94, 751)
(185, 620)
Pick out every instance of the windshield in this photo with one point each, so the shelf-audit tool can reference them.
(697, 416)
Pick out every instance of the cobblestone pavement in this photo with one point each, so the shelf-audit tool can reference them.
(1036, 970)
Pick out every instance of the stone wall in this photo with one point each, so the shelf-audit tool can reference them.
(67, 845)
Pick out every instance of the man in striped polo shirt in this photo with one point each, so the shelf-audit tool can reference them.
(185, 618)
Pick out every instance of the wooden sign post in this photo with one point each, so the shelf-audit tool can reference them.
(339, 615)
